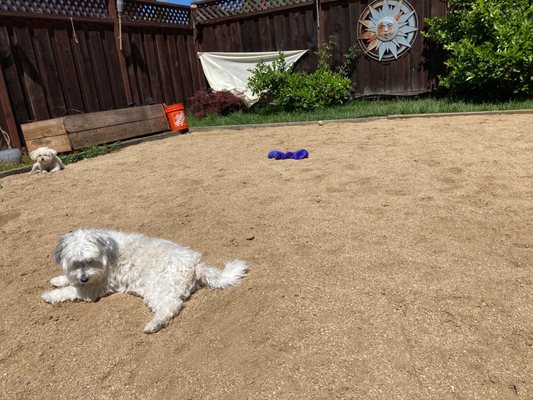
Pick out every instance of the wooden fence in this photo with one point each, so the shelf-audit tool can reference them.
(273, 25)
(63, 57)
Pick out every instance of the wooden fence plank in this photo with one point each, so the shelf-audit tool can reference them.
(250, 42)
(153, 68)
(7, 116)
(82, 122)
(85, 73)
(7, 119)
(264, 33)
(185, 66)
(235, 34)
(48, 70)
(113, 63)
(31, 77)
(165, 66)
(309, 22)
(177, 73)
(130, 67)
(98, 61)
(11, 78)
(115, 47)
(195, 69)
(141, 68)
(67, 70)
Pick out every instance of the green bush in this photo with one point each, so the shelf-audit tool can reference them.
(489, 46)
(290, 90)
(322, 89)
(268, 80)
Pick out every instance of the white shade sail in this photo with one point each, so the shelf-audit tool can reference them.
(231, 71)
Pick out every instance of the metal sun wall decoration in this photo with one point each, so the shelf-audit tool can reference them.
(387, 29)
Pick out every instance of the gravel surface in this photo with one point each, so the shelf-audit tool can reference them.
(394, 263)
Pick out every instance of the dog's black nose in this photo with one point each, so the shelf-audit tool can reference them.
(84, 279)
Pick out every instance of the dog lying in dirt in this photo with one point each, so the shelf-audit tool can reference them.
(45, 160)
(97, 263)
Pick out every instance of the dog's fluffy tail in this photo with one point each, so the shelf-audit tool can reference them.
(232, 273)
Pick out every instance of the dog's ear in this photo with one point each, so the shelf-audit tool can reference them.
(54, 152)
(58, 252)
(108, 246)
(33, 155)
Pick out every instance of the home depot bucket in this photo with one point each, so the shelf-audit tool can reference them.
(176, 117)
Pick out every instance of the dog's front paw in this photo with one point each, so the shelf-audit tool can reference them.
(68, 293)
(59, 281)
(51, 297)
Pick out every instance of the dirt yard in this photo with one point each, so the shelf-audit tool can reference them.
(395, 263)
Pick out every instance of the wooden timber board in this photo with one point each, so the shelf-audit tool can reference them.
(103, 119)
(74, 132)
(108, 134)
(49, 133)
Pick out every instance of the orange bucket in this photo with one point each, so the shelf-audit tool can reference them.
(176, 117)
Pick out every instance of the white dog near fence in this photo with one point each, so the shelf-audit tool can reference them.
(100, 262)
(45, 160)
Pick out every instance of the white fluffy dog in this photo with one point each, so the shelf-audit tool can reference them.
(100, 262)
(46, 160)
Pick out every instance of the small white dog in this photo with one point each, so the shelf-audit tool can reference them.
(100, 262)
(46, 160)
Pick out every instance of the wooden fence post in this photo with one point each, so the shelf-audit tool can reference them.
(8, 112)
(321, 16)
(194, 8)
(123, 70)
(318, 12)
(201, 80)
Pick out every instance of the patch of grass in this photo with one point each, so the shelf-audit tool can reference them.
(356, 109)
(88, 152)
(24, 162)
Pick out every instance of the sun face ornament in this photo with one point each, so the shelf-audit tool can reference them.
(387, 29)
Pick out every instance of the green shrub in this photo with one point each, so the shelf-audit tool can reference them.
(290, 90)
(322, 89)
(268, 80)
(489, 46)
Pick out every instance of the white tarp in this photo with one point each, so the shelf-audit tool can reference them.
(230, 71)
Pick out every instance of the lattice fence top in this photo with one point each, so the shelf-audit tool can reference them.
(145, 11)
(67, 8)
(210, 10)
(156, 13)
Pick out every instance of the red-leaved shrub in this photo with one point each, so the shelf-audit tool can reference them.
(205, 102)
